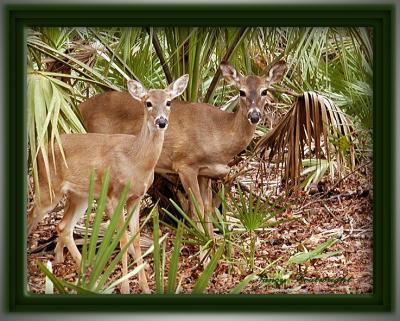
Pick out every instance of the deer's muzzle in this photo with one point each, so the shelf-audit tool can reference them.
(161, 122)
(254, 116)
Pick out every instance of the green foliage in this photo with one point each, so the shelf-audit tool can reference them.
(173, 265)
(198, 235)
(158, 272)
(202, 281)
(79, 62)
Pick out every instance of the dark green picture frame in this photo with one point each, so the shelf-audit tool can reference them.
(379, 17)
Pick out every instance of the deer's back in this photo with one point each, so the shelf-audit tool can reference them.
(197, 132)
(85, 152)
(112, 113)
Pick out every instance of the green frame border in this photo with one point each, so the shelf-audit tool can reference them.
(380, 17)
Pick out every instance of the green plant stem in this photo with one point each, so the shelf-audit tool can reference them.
(252, 249)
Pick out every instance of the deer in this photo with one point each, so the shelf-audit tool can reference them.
(201, 139)
(131, 159)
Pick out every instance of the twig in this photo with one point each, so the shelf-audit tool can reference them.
(329, 211)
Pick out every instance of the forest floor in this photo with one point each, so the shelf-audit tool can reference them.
(344, 213)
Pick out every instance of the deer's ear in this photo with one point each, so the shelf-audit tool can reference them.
(276, 72)
(136, 89)
(178, 86)
(230, 74)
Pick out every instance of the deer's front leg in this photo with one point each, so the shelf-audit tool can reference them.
(135, 230)
(125, 289)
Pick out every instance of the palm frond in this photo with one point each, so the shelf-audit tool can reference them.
(49, 105)
(304, 132)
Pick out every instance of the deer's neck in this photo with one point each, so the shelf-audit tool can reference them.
(150, 141)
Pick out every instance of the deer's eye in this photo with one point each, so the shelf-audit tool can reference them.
(148, 104)
(168, 103)
(264, 92)
(242, 93)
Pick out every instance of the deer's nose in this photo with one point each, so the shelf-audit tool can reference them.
(254, 116)
(161, 122)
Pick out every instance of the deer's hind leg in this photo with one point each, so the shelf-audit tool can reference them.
(189, 180)
(74, 209)
(206, 195)
(41, 208)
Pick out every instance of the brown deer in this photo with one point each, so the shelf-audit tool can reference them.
(201, 139)
(131, 159)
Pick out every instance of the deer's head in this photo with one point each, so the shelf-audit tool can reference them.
(157, 102)
(253, 89)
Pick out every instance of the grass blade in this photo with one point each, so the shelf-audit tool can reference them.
(125, 277)
(99, 215)
(57, 283)
(173, 265)
(238, 288)
(105, 249)
(202, 281)
(156, 253)
(84, 262)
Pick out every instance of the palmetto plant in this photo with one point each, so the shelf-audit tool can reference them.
(253, 213)
(315, 170)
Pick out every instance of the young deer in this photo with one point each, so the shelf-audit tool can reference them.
(130, 159)
(201, 139)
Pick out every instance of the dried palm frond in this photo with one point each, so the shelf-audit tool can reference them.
(78, 50)
(299, 133)
(68, 62)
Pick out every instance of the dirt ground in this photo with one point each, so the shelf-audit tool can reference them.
(344, 213)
